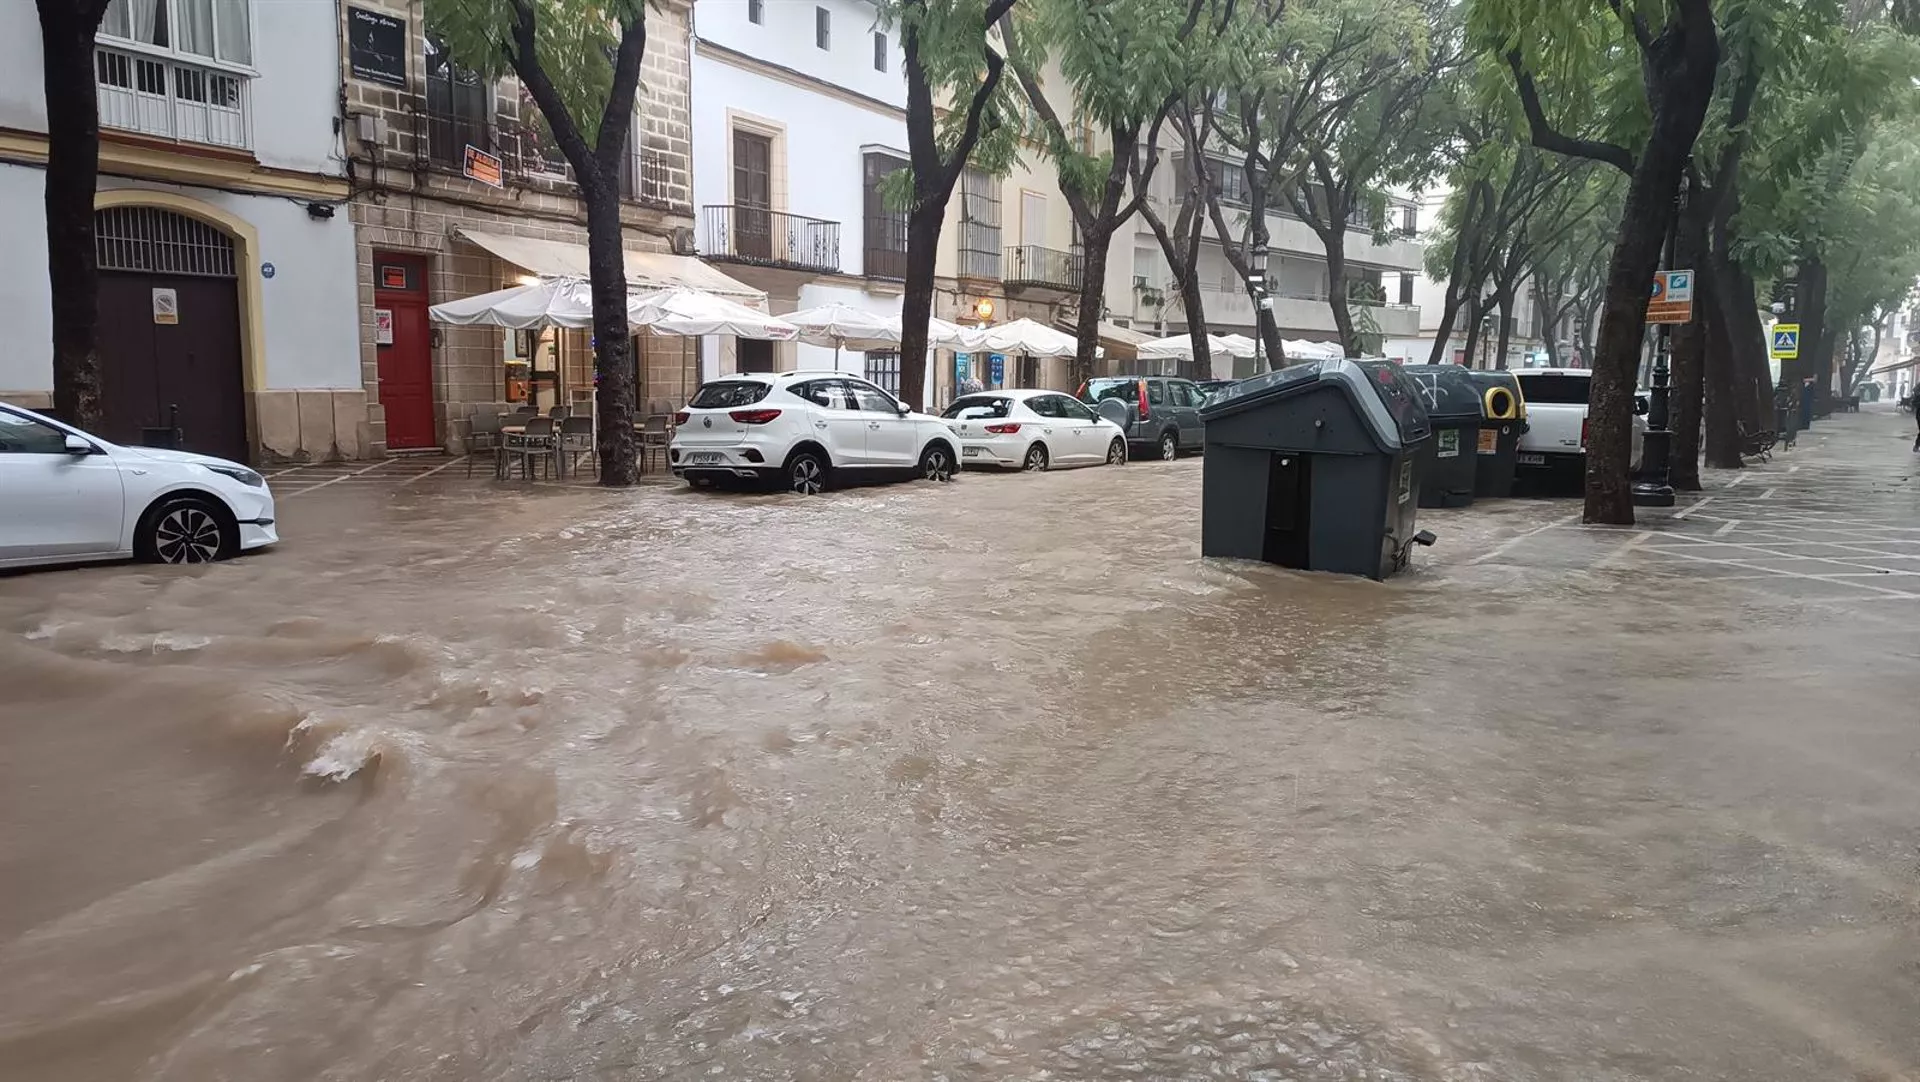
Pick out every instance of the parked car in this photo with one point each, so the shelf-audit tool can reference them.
(1159, 414)
(1556, 435)
(803, 430)
(71, 497)
(1033, 430)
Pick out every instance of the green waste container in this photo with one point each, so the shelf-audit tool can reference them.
(1448, 472)
(1503, 420)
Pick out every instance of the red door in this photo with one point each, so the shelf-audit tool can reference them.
(406, 349)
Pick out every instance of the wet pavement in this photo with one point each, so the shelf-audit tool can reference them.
(991, 780)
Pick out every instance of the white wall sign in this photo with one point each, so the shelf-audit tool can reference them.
(383, 326)
(166, 307)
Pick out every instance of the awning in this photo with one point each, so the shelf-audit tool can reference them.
(1120, 343)
(1910, 362)
(645, 270)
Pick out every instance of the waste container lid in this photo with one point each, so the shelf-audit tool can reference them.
(1379, 390)
(1447, 390)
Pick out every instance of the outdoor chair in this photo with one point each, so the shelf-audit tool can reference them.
(653, 437)
(539, 441)
(483, 434)
(560, 413)
(576, 439)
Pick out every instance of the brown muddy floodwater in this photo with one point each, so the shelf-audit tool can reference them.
(995, 780)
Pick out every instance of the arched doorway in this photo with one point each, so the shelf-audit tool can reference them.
(170, 330)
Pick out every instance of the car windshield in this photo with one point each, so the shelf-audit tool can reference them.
(1554, 389)
(729, 394)
(1099, 390)
(978, 405)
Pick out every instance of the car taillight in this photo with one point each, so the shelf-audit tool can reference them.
(1003, 430)
(681, 418)
(1141, 386)
(754, 417)
(1583, 433)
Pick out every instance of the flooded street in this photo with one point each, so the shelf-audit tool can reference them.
(996, 780)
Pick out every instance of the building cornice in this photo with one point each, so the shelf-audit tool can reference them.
(732, 58)
(207, 167)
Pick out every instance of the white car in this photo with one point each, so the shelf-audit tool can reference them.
(1555, 439)
(71, 497)
(1033, 430)
(802, 429)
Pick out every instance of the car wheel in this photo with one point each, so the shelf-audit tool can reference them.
(1169, 447)
(936, 462)
(807, 473)
(1117, 453)
(1036, 460)
(183, 531)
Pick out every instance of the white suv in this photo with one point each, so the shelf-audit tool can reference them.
(799, 429)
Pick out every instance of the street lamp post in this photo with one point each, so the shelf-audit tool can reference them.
(1654, 489)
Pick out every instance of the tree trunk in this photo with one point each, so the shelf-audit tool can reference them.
(1749, 336)
(1506, 328)
(1336, 245)
(614, 368)
(1688, 361)
(916, 302)
(1471, 348)
(1723, 384)
(1443, 335)
(1093, 291)
(67, 30)
(1812, 314)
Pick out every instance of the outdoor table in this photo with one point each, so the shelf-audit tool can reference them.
(500, 454)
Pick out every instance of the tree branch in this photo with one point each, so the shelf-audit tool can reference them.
(618, 114)
(970, 135)
(525, 61)
(1546, 137)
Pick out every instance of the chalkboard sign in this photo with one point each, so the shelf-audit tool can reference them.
(377, 46)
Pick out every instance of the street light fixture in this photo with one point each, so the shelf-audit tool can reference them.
(1261, 295)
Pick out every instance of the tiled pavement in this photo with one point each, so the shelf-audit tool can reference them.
(1837, 519)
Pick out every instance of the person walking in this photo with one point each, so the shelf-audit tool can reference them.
(1912, 402)
(1786, 410)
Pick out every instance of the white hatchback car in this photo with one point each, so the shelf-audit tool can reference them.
(71, 497)
(800, 429)
(1033, 430)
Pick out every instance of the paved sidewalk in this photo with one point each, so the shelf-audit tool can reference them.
(1836, 520)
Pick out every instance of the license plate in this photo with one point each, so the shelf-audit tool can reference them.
(1533, 460)
(969, 452)
(707, 458)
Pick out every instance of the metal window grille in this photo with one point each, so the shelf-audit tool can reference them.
(160, 242)
(979, 225)
(883, 371)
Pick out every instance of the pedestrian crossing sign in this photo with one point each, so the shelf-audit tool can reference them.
(1786, 341)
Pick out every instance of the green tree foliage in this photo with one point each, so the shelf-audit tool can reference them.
(580, 62)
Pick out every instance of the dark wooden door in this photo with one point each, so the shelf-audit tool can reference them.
(752, 195)
(405, 363)
(188, 371)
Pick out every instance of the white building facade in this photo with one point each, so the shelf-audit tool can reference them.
(799, 113)
(227, 285)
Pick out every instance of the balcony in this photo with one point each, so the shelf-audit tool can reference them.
(769, 238)
(883, 254)
(184, 103)
(1031, 267)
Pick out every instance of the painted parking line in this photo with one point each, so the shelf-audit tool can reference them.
(336, 480)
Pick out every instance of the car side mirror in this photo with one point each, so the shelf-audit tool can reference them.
(903, 408)
(77, 446)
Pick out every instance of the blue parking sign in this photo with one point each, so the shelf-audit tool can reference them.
(997, 365)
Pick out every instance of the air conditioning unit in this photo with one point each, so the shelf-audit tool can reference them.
(683, 240)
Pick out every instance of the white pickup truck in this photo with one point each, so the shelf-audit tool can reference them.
(1556, 435)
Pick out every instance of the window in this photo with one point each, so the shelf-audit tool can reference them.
(979, 225)
(168, 80)
(979, 407)
(215, 30)
(829, 394)
(1099, 390)
(1556, 390)
(1157, 392)
(1074, 411)
(1230, 181)
(25, 436)
(728, 394)
(1410, 220)
(459, 108)
(756, 11)
(823, 28)
(1183, 394)
(1406, 289)
(755, 355)
(871, 399)
(879, 52)
(1046, 405)
(884, 248)
(884, 369)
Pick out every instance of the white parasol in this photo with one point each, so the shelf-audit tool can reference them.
(689, 313)
(1025, 336)
(550, 302)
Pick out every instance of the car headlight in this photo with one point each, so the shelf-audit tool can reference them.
(239, 473)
